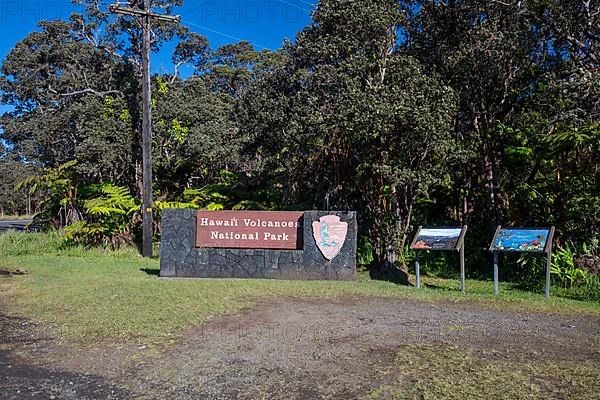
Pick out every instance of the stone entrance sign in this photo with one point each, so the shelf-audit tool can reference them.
(258, 244)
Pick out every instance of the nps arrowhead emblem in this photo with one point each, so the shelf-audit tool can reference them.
(330, 233)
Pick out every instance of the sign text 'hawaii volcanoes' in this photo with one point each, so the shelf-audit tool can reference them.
(250, 229)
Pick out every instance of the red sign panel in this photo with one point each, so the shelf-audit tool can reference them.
(250, 229)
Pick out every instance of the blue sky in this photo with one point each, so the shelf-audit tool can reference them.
(265, 23)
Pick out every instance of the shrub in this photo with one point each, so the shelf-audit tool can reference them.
(573, 281)
(108, 218)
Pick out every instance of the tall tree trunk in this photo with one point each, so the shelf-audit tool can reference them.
(491, 185)
(402, 205)
(559, 203)
(391, 242)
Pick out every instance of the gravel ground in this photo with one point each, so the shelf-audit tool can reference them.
(21, 379)
(291, 349)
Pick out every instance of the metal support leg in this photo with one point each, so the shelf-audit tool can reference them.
(496, 272)
(417, 272)
(462, 268)
(548, 264)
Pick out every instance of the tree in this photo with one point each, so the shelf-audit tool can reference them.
(487, 54)
(60, 187)
(75, 89)
(524, 74)
(554, 155)
(195, 137)
(368, 127)
(66, 103)
(75, 85)
(13, 201)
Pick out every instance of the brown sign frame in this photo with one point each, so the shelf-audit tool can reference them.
(250, 229)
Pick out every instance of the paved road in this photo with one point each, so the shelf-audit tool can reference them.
(19, 225)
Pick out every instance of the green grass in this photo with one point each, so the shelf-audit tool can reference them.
(100, 293)
(443, 371)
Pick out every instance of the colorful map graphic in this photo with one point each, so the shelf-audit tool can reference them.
(533, 240)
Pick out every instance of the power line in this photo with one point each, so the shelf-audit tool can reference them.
(307, 3)
(224, 34)
(187, 22)
(257, 45)
(281, 1)
(294, 5)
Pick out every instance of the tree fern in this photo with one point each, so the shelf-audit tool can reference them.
(108, 217)
(161, 205)
(116, 200)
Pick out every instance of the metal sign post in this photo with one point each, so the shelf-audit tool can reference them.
(462, 268)
(417, 272)
(549, 260)
(496, 290)
(460, 244)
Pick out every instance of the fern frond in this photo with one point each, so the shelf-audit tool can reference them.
(161, 205)
(117, 200)
(214, 207)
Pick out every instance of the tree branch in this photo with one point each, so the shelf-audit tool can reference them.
(85, 91)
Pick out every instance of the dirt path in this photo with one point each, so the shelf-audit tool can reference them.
(298, 349)
(20, 380)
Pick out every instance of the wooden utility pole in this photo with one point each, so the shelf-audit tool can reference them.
(146, 16)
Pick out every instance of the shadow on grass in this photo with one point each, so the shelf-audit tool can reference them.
(441, 288)
(393, 275)
(151, 271)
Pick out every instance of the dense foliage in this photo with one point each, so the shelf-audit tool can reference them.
(371, 129)
(411, 112)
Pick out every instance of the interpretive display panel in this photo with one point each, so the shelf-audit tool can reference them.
(521, 240)
(437, 238)
(449, 238)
